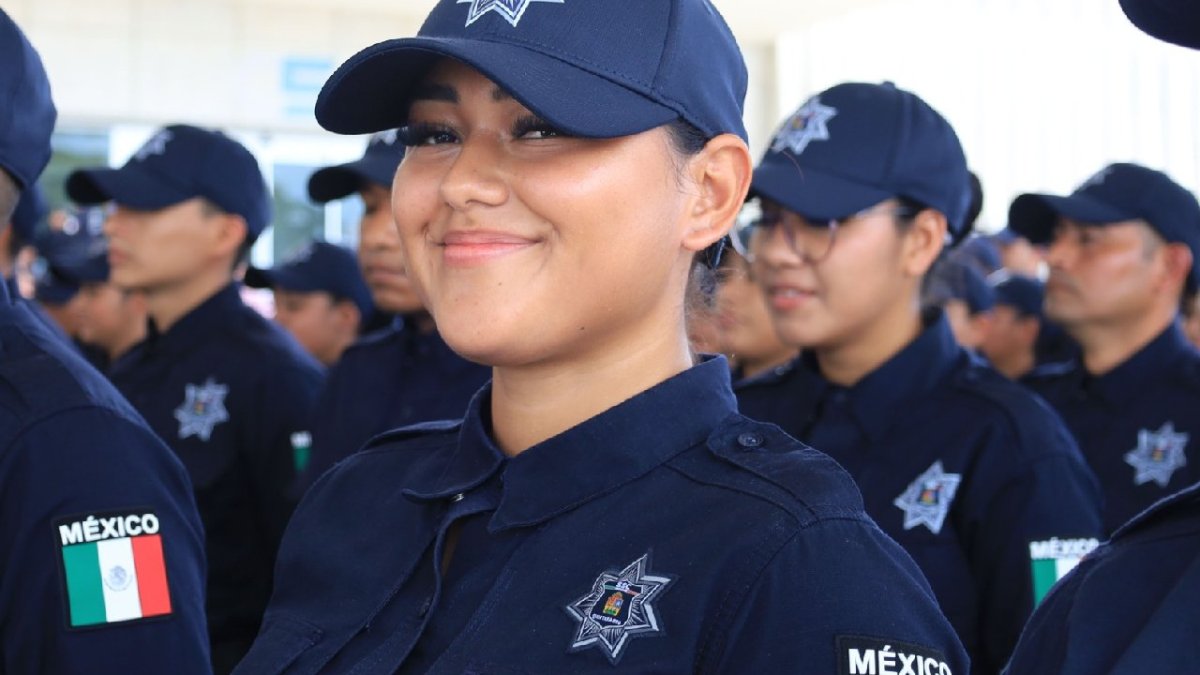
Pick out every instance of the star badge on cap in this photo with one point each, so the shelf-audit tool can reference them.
(618, 607)
(810, 123)
(1158, 455)
(511, 10)
(927, 499)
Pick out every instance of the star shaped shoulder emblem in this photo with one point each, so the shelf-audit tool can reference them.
(1158, 456)
(927, 499)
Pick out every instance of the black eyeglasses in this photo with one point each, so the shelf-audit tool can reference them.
(813, 240)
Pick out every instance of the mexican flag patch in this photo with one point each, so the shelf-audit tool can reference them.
(113, 569)
(1053, 558)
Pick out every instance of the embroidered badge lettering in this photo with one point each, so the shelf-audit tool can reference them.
(1053, 558)
(1158, 455)
(619, 606)
(112, 567)
(876, 656)
(927, 499)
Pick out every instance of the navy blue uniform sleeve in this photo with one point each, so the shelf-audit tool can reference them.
(1028, 531)
(64, 608)
(841, 597)
(288, 403)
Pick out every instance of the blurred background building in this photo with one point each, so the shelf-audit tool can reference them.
(1041, 91)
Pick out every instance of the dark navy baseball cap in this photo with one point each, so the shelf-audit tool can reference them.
(77, 252)
(956, 280)
(27, 114)
(1119, 192)
(1022, 293)
(318, 267)
(855, 145)
(180, 162)
(377, 166)
(31, 211)
(592, 69)
(1174, 21)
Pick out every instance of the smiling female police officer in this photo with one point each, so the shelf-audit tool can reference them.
(602, 503)
(979, 481)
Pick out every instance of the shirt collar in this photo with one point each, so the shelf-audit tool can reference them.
(1147, 365)
(198, 325)
(588, 460)
(884, 395)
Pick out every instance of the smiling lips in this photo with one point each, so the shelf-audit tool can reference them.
(783, 297)
(474, 247)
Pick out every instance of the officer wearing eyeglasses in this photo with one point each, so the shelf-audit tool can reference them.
(860, 190)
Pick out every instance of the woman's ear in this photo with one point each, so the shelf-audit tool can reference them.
(924, 240)
(721, 175)
(1177, 260)
(231, 233)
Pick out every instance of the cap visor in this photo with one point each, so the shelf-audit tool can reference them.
(343, 180)
(258, 278)
(372, 91)
(812, 194)
(127, 186)
(1034, 216)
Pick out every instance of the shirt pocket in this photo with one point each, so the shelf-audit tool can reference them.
(279, 645)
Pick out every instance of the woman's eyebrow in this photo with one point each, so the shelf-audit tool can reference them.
(435, 92)
(499, 95)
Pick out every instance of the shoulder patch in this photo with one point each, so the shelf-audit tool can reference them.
(859, 655)
(112, 567)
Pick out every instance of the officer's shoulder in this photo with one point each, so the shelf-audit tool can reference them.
(392, 454)
(1003, 401)
(768, 379)
(1173, 514)
(40, 378)
(759, 461)
(1186, 373)
(370, 347)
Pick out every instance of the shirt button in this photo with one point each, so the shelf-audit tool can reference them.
(749, 440)
(457, 498)
(425, 607)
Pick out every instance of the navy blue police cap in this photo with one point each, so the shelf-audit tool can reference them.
(52, 286)
(958, 280)
(1174, 21)
(1023, 293)
(1119, 192)
(855, 145)
(319, 266)
(31, 211)
(27, 114)
(376, 167)
(180, 162)
(592, 69)
(77, 251)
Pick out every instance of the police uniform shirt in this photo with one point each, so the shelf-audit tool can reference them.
(103, 562)
(668, 534)
(974, 477)
(1138, 425)
(390, 379)
(1131, 607)
(229, 392)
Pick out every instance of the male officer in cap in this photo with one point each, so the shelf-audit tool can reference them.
(103, 551)
(403, 374)
(1122, 250)
(971, 474)
(1011, 342)
(228, 390)
(1130, 607)
(320, 298)
(964, 296)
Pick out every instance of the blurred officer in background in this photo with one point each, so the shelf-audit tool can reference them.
(966, 299)
(1122, 250)
(228, 390)
(1017, 255)
(1130, 607)
(320, 298)
(103, 566)
(967, 471)
(1011, 341)
(401, 375)
(747, 335)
